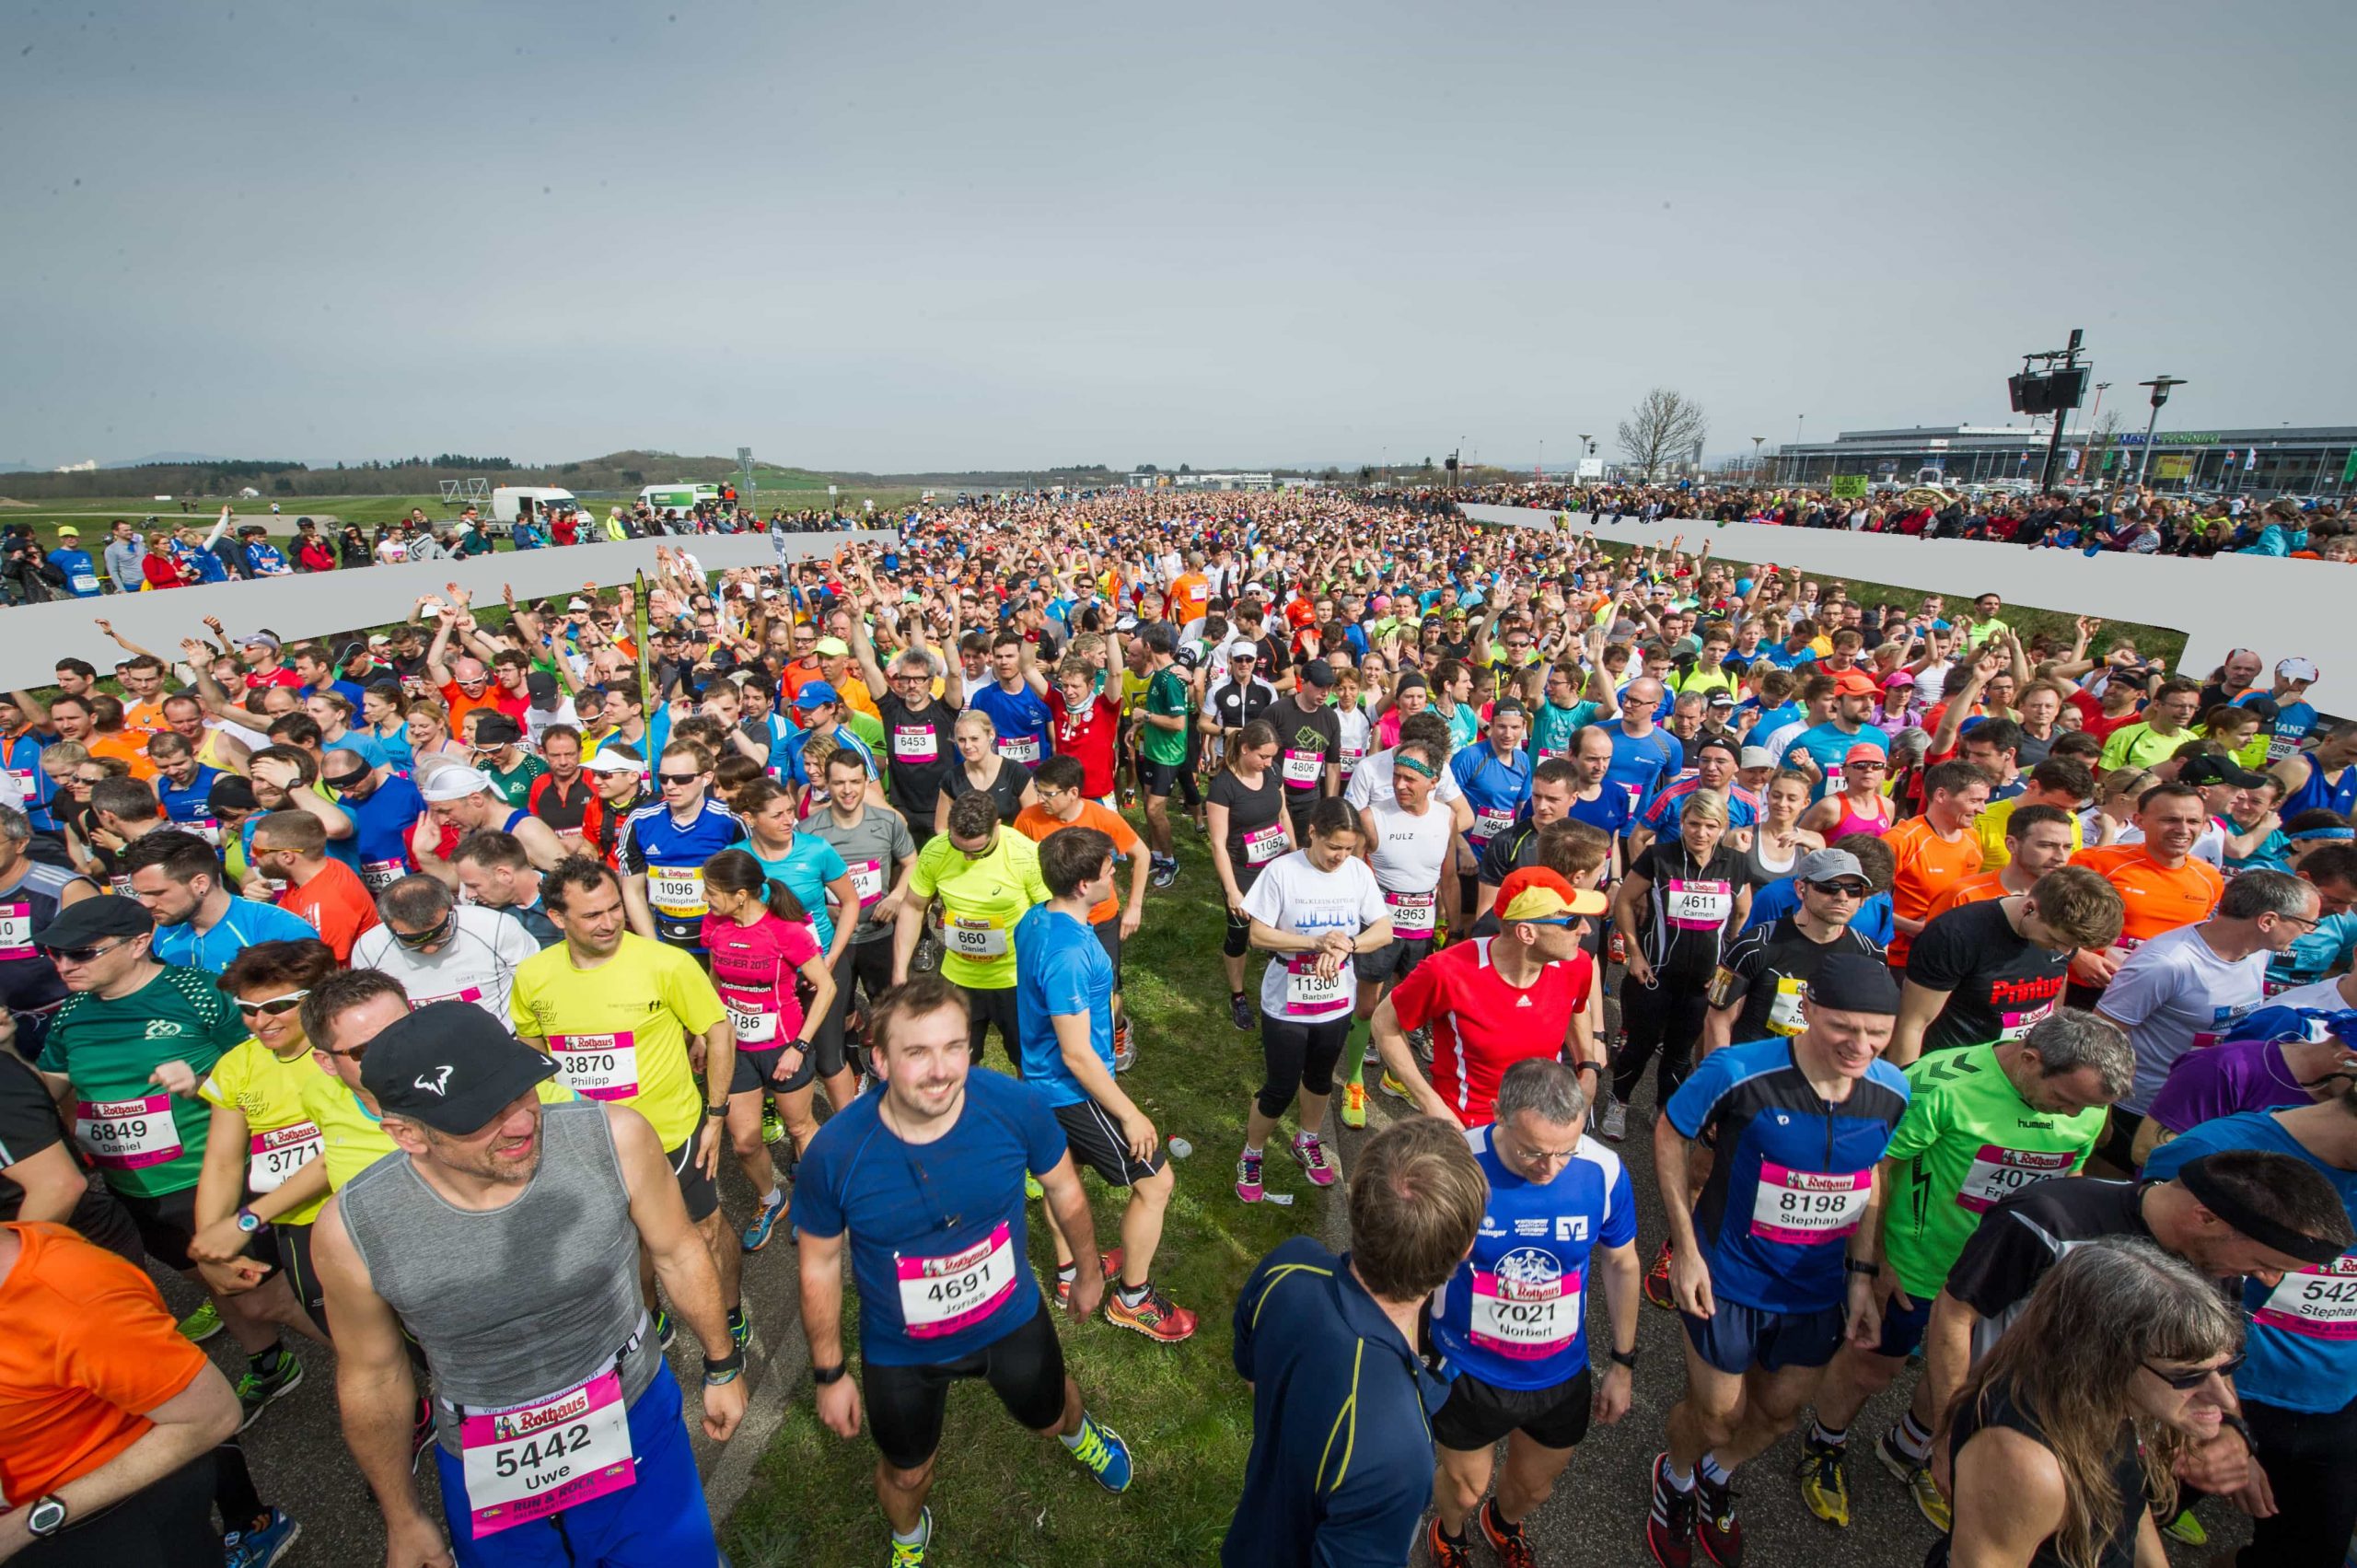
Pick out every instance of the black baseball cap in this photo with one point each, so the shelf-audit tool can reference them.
(497, 729)
(2209, 769)
(449, 1065)
(540, 686)
(94, 919)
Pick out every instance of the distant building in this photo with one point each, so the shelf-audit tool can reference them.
(2284, 460)
(1149, 479)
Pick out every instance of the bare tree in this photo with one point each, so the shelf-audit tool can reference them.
(1662, 428)
(2101, 438)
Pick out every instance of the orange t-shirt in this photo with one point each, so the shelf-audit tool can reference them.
(2157, 899)
(1036, 822)
(132, 747)
(145, 718)
(89, 1348)
(1928, 866)
(1191, 592)
(1971, 890)
(336, 904)
(460, 705)
(793, 678)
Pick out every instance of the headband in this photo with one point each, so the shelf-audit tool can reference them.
(1415, 765)
(2309, 833)
(2215, 1197)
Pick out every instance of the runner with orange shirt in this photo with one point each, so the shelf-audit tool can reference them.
(291, 847)
(2161, 883)
(1934, 851)
(2037, 839)
(1060, 781)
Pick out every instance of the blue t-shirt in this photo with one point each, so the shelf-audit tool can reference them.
(1025, 728)
(2303, 1355)
(655, 845)
(2315, 954)
(1609, 813)
(383, 823)
(806, 868)
(1496, 788)
(1059, 967)
(1641, 766)
(1552, 728)
(1827, 744)
(2294, 720)
(1514, 1315)
(246, 923)
(21, 755)
(786, 763)
(1777, 900)
(81, 572)
(1793, 1175)
(937, 1229)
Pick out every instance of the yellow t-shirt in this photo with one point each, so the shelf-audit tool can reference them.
(355, 1138)
(980, 901)
(1989, 829)
(280, 1136)
(618, 1031)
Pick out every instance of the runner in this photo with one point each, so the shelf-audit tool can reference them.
(31, 894)
(986, 877)
(1512, 1321)
(1014, 700)
(1249, 829)
(1412, 842)
(1934, 852)
(1781, 1248)
(758, 939)
(1163, 745)
(1494, 1001)
(384, 807)
(919, 744)
(1981, 1124)
(922, 1185)
(879, 853)
(1496, 782)
(178, 878)
(495, 872)
(619, 774)
(616, 1010)
(1309, 742)
(1675, 911)
(1764, 977)
(1063, 804)
(442, 950)
(662, 849)
(1312, 912)
(1064, 991)
(290, 847)
(1990, 969)
(461, 799)
(505, 1240)
(2162, 886)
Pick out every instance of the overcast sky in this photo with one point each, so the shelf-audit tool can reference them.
(898, 236)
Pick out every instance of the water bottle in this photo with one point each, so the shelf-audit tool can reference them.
(1179, 1147)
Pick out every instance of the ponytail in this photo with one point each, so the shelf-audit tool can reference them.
(782, 902)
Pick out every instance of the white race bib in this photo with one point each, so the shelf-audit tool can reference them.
(915, 743)
(1310, 993)
(1696, 906)
(752, 1028)
(1784, 1012)
(597, 1066)
(868, 881)
(274, 1156)
(1490, 821)
(1528, 1318)
(974, 937)
(2013, 1026)
(1303, 769)
(941, 1296)
(1023, 749)
(1264, 845)
(1809, 1208)
(532, 1460)
(379, 875)
(16, 931)
(2316, 1304)
(1412, 914)
(125, 1134)
(1998, 1173)
(84, 582)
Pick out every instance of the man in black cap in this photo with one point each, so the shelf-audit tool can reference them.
(1775, 1259)
(1309, 744)
(545, 705)
(498, 747)
(505, 1239)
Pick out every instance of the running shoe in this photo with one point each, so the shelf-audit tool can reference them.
(1125, 1046)
(663, 1330)
(262, 1547)
(201, 1324)
(1031, 1187)
(1657, 1287)
(1112, 1265)
(1669, 1525)
(1616, 1119)
(1247, 1178)
(1309, 1154)
(1825, 1481)
(1165, 873)
(1239, 1013)
(1716, 1527)
(1157, 1316)
(765, 1219)
(772, 1130)
(1917, 1475)
(1444, 1553)
(1394, 1087)
(740, 1326)
(1101, 1451)
(1354, 1104)
(1511, 1545)
(257, 1391)
(2183, 1527)
(906, 1554)
(1420, 1040)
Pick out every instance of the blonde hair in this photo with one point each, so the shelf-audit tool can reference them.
(1704, 803)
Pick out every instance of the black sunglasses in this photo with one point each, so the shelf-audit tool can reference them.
(678, 778)
(1845, 889)
(80, 955)
(442, 928)
(2185, 1381)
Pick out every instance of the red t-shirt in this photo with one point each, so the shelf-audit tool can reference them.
(1089, 735)
(1481, 1025)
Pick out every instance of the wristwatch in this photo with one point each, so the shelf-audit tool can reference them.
(45, 1517)
(248, 1221)
(1627, 1358)
(715, 1110)
(1860, 1266)
(823, 1375)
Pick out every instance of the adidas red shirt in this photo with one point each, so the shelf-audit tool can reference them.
(1481, 1025)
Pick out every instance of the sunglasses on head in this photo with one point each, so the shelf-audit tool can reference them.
(278, 1006)
(350, 781)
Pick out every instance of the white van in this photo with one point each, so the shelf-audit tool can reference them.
(511, 501)
(680, 496)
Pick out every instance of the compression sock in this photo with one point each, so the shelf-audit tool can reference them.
(1825, 1437)
(1355, 1052)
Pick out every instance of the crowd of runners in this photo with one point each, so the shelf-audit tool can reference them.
(407, 990)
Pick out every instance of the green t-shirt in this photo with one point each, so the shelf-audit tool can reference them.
(1165, 694)
(146, 1141)
(516, 786)
(867, 728)
(1966, 1143)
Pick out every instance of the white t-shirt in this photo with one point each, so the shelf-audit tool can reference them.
(1293, 895)
(2323, 996)
(1371, 783)
(1410, 849)
(477, 965)
(2176, 995)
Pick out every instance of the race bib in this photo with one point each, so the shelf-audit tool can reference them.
(1303, 769)
(1832, 778)
(753, 1028)
(1696, 906)
(867, 880)
(1352, 756)
(915, 743)
(974, 937)
(379, 875)
(1264, 845)
(597, 1066)
(1023, 749)
(205, 828)
(1999, 1173)
(1784, 1012)
(471, 994)
(1308, 993)
(530, 1460)
(2013, 1026)
(1412, 914)
(676, 890)
(84, 582)
(273, 1156)
(1529, 1312)
(16, 931)
(28, 784)
(1490, 821)
(1809, 1208)
(941, 1296)
(2316, 1304)
(125, 1134)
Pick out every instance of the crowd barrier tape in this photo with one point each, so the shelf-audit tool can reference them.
(2281, 607)
(33, 637)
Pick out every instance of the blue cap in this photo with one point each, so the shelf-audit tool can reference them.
(814, 693)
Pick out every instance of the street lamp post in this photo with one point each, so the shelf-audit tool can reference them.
(1757, 442)
(2160, 386)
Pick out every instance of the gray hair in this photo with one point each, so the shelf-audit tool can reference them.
(416, 899)
(14, 824)
(2255, 893)
(2072, 1038)
(1546, 1088)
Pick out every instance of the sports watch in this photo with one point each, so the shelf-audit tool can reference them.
(45, 1517)
(248, 1221)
